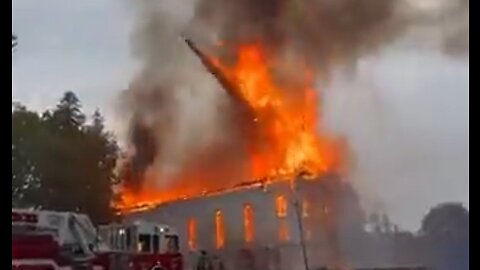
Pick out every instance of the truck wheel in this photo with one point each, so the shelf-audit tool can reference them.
(157, 267)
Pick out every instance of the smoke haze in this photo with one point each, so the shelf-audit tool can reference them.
(175, 102)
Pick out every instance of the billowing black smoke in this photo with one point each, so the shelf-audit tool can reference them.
(145, 151)
(176, 102)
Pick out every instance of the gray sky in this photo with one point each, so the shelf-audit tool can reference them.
(405, 113)
(71, 45)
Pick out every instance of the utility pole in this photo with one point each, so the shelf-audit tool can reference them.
(298, 211)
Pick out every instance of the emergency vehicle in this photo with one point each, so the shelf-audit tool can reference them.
(48, 240)
(140, 245)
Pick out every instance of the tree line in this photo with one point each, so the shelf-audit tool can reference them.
(61, 161)
(442, 241)
(372, 240)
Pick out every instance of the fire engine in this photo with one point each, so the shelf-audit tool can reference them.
(140, 246)
(48, 240)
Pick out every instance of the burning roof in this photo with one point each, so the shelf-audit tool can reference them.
(147, 202)
(277, 125)
(267, 124)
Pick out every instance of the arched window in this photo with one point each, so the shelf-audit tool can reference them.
(192, 233)
(219, 229)
(281, 206)
(248, 223)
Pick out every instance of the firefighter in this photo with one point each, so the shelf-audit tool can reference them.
(204, 262)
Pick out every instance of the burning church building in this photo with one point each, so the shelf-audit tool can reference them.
(274, 221)
(290, 210)
(267, 173)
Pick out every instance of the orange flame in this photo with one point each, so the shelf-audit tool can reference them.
(192, 233)
(287, 116)
(219, 230)
(248, 220)
(288, 140)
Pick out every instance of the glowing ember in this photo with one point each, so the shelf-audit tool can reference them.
(284, 119)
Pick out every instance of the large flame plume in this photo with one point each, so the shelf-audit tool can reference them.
(285, 119)
(188, 138)
(278, 125)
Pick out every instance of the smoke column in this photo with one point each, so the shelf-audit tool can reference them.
(180, 118)
(178, 106)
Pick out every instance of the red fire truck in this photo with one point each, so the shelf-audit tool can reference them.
(140, 246)
(48, 240)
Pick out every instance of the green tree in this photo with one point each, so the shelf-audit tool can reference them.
(68, 115)
(97, 126)
(26, 132)
(101, 155)
(445, 236)
(72, 161)
(446, 219)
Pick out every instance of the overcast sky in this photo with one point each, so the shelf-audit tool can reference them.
(405, 113)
